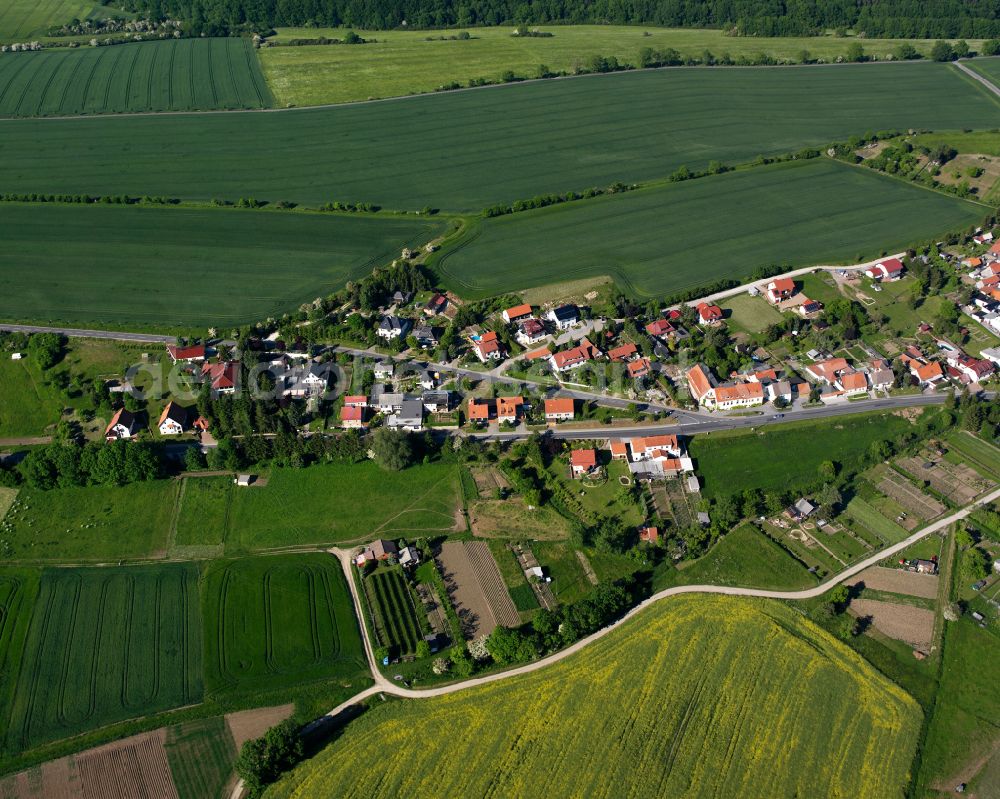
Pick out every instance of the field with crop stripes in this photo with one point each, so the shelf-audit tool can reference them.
(18, 589)
(170, 75)
(549, 136)
(679, 236)
(106, 645)
(113, 264)
(396, 624)
(273, 622)
(21, 19)
(697, 697)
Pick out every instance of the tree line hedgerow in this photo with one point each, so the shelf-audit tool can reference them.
(886, 19)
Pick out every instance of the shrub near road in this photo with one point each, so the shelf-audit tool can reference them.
(670, 238)
(172, 75)
(543, 137)
(701, 697)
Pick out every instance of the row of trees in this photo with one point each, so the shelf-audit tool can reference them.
(67, 463)
(887, 19)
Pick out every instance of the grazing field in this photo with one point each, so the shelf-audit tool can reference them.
(321, 505)
(28, 405)
(276, 622)
(22, 19)
(666, 239)
(171, 75)
(394, 611)
(700, 697)
(204, 511)
(401, 62)
(97, 523)
(107, 645)
(744, 557)
(747, 460)
(60, 259)
(962, 731)
(549, 136)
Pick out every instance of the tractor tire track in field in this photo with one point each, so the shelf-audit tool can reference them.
(10, 82)
(128, 80)
(111, 74)
(48, 85)
(211, 77)
(170, 75)
(254, 75)
(150, 78)
(232, 74)
(90, 78)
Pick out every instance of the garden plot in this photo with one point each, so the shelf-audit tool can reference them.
(394, 610)
(461, 565)
(673, 503)
(912, 625)
(956, 481)
(899, 581)
(511, 518)
(914, 501)
(489, 481)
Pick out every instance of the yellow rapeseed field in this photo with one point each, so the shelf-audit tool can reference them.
(698, 697)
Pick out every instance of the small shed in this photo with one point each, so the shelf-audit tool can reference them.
(243, 479)
(703, 518)
(16, 356)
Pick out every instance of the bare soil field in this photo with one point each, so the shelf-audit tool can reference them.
(494, 588)
(958, 482)
(914, 501)
(248, 724)
(488, 480)
(511, 518)
(464, 590)
(132, 768)
(914, 626)
(898, 581)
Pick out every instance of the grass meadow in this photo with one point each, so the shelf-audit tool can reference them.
(23, 19)
(28, 405)
(276, 622)
(548, 136)
(170, 75)
(744, 557)
(668, 238)
(184, 266)
(106, 645)
(761, 703)
(96, 523)
(746, 459)
(203, 517)
(343, 502)
(404, 62)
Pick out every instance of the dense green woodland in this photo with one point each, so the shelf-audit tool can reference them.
(881, 18)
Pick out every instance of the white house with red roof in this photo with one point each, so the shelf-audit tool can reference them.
(516, 314)
(583, 461)
(352, 417)
(657, 457)
(707, 392)
(973, 369)
(193, 352)
(572, 358)
(530, 331)
(174, 420)
(779, 290)
(708, 314)
(889, 269)
(487, 347)
(223, 376)
(559, 409)
(124, 424)
(827, 371)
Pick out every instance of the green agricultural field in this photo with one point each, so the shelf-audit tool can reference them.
(171, 75)
(25, 19)
(96, 523)
(989, 68)
(183, 266)
(737, 718)
(982, 456)
(549, 136)
(28, 405)
(18, 590)
(744, 557)
(203, 517)
(201, 755)
(741, 460)
(403, 62)
(320, 505)
(277, 622)
(106, 645)
(669, 238)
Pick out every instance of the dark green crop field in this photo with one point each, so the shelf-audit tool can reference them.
(172, 75)
(106, 645)
(468, 150)
(660, 240)
(275, 622)
(176, 266)
(987, 67)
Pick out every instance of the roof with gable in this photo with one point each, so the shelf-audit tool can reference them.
(623, 352)
(782, 285)
(518, 311)
(739, 391)
(583, 458)
(854, 381)
(659, 327)
(479, 411)
(175, 413)
(699, 381)
(559, 405)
